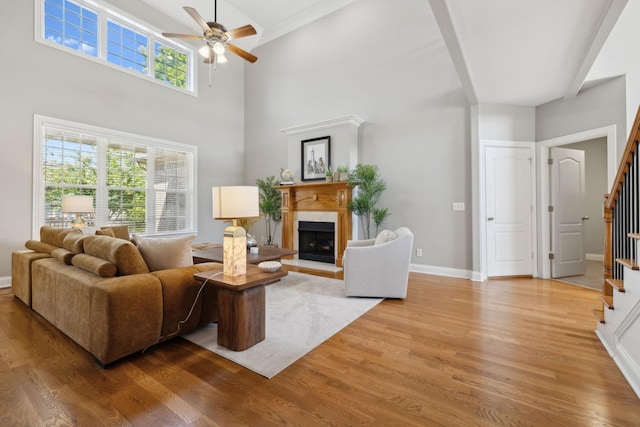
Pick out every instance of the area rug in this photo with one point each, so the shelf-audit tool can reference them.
(302, 311)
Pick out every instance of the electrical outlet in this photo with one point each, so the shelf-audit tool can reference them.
(458, 206)
(418, 252)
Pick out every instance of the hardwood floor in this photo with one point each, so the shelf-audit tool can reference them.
(454, 353)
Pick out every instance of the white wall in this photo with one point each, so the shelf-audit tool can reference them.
(596, 107)
(385, 62)
(618, 58)
(39, 79)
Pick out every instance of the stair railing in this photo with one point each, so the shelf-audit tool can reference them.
(622, 210)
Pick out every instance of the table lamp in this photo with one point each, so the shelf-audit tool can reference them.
(232, 203)
(77, 205)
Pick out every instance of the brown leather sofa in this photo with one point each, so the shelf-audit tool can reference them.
(99, 291)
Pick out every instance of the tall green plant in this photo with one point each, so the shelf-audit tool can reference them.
(370, 185)
(270, 205)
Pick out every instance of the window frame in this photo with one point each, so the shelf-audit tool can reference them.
(108, 12)
(103, 138)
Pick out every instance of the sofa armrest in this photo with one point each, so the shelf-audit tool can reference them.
(126, 315)
(179, 293)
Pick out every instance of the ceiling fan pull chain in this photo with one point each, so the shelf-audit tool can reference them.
(209, 74)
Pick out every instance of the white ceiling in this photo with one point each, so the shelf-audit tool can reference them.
(518, 52)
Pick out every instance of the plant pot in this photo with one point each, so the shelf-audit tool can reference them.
(329, 179)
(344, 176)
(336, 176)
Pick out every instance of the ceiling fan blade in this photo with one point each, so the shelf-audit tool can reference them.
(183, 36)
(196, 17)
(245, 31)
(242, 53)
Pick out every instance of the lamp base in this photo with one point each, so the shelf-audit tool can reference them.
(234, 251)
(78, 222)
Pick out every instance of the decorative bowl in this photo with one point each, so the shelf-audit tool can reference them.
(270, 266)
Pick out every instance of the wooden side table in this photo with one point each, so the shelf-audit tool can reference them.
(241, 305)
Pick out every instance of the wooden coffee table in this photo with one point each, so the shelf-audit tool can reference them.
(265, 253)
(241, 305)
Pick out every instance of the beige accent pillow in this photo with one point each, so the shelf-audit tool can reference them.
(384, 236)
(161, 253)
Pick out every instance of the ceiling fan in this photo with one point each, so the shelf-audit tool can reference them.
(217, 38)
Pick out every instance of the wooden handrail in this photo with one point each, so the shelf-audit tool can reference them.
(634, 135)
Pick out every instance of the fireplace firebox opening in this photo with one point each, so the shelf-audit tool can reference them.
(316, 241)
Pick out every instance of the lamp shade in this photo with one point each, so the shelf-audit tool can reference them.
(77, 204)
(235, 202)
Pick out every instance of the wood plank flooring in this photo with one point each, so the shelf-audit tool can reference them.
(454, 353)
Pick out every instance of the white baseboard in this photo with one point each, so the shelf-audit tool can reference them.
(5, 282)
(440, 271)
(594, 257)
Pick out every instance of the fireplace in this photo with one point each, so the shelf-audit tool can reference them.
(316, 241)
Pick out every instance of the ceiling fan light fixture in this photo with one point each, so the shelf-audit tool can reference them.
(218, 48)
(221, 58)
(204, 51)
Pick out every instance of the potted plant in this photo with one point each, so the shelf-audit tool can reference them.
(270, 203)
(343, 172)
(370, 186)
(329, 174)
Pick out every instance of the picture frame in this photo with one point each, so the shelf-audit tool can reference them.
(316, 158)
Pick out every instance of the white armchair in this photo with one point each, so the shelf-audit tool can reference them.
(378, 270)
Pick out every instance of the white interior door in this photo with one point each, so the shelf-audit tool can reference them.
(509, 178)
(567, 200)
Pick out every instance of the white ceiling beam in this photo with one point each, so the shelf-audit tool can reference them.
(443, 18)
(608, 20)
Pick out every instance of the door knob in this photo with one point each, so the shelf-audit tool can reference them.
(490, 218)
(584, 218)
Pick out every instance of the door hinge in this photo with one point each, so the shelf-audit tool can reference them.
(549, 161)
(551, 255)
(550, 208)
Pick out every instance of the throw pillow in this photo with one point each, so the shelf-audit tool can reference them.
(118, 251)
(119, 231)
(384, 236)
(166, 252)
(105, 232)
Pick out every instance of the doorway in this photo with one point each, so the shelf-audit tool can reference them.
(508, 208)
(600, 165)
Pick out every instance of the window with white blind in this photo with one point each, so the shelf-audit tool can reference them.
(96, 30)
(142, 182)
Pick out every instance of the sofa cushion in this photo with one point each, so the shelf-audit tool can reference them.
(37, 246)
(62, 255)
(105, 232)
(385, 236)
(119, 231)
(98, 266)
(73, 242)
(118, 251)
(55, 236)
(166, 252)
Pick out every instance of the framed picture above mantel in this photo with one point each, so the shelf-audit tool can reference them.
(316, 158)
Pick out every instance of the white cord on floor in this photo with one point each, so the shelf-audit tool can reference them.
(181, 322)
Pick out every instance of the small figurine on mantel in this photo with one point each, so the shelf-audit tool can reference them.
(287, 177)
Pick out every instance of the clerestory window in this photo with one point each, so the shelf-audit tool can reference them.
(98, 31)
(142, 182)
